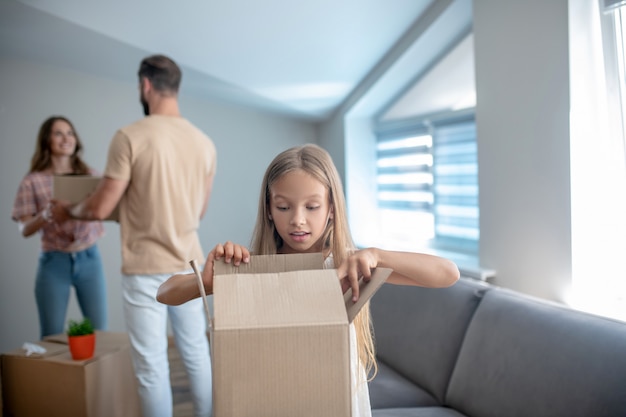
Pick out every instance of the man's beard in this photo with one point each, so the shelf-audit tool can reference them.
(144, 104)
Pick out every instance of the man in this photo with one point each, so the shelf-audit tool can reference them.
(160, 170)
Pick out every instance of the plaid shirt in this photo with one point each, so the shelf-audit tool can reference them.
(33, 194)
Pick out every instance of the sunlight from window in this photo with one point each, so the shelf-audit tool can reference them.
(413, 196)
(414, 141)
(414, 178)
(457, 189)
(404, 183)
(620, 38)
(406, 230)
(598, 163)
(406, 161)
(457, 211)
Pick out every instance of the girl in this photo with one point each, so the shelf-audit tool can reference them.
(69, 255)
(302, 209)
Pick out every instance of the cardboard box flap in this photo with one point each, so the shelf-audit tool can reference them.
(284, 299)
(366, 291)
(75, 188)
(272, 263)
(264, 264)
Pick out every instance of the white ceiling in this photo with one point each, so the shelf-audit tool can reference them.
(449, 85)
(303, 58)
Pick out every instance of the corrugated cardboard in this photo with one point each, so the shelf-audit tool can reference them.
(280, 337)
(52, 384)
(75, 188)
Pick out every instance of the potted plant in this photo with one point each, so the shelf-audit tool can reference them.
(81, 338)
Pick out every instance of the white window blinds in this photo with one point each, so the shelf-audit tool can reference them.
(428, 183)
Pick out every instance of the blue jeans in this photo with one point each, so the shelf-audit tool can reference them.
(56, 274)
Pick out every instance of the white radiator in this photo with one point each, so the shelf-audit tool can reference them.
(478, 273)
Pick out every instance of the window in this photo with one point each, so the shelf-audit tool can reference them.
(597, 156)
(427, 181)
(619, 36)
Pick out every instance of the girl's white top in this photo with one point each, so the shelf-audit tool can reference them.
(360, 392)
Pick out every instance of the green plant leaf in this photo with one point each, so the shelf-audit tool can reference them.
(80, 328)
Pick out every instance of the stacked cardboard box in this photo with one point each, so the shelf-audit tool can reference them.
(52, 384)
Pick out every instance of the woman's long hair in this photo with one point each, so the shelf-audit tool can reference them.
(337, 238)
(42, 158)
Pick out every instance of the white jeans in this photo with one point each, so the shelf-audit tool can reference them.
(146, 322)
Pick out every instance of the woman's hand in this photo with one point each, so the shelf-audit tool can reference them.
(58, 211)
(358, 265)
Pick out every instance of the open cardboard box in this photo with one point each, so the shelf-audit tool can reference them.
(52, 384)
(75, 188)
(280, 337)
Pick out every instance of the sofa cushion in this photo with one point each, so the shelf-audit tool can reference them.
(418, 331)
(526, 357)
(389, 389)
(417, 412)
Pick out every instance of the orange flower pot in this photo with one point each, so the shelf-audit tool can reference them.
(82, 347)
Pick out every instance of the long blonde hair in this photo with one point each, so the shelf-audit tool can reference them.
(337, 238)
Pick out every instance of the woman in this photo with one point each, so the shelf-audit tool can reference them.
(69, 254)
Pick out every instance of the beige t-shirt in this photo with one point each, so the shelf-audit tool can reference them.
(167, 162)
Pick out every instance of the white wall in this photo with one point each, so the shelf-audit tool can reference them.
(522, 118)
(246, 141)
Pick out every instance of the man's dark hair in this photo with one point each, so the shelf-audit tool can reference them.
(162, 72)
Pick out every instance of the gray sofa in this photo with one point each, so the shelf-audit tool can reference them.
(477, 350)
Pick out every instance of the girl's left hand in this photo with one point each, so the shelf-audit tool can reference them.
(358, 265)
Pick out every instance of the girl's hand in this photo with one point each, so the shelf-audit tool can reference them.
(207, 273)
(230, 252)
(180, 288)
(358, 265)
